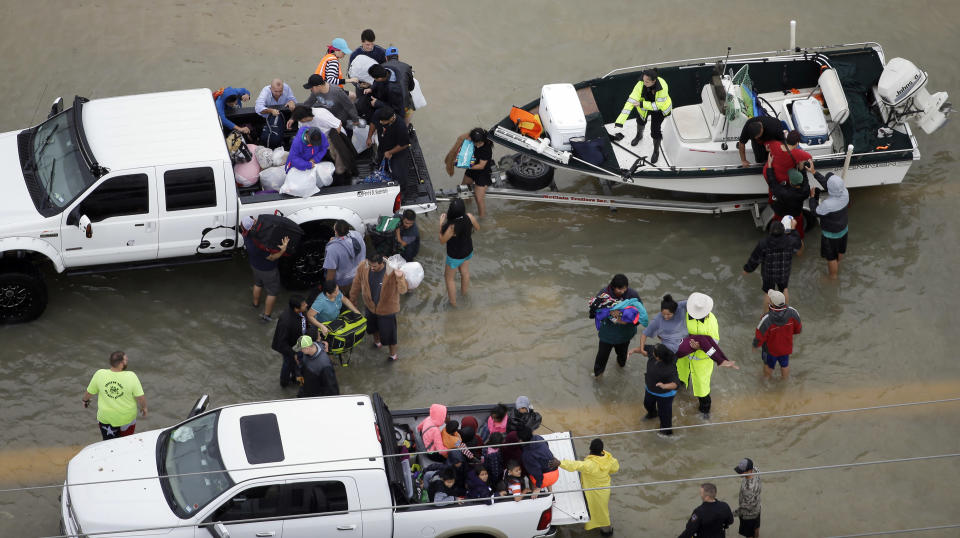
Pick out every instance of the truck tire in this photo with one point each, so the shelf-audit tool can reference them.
(23, 296)
(529, 174)
(304, 269)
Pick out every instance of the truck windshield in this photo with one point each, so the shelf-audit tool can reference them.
(192, 448)
(61, 169)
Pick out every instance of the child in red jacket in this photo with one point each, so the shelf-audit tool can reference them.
(775, 335)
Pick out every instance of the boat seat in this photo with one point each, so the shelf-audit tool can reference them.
(691, 124)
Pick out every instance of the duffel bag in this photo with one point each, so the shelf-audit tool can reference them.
(346, 332)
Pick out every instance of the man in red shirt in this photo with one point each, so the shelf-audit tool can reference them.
(775, 335)
(784, 157)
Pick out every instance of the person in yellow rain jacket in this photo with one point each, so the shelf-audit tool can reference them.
(698, 366)
(595, 471)
(650, 97)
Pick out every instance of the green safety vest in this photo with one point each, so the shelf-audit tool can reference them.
(663, 102)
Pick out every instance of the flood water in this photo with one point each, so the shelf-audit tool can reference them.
(881, 334)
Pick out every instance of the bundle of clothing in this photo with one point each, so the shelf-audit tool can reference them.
(604, 307)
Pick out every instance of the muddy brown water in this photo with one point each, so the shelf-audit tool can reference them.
(882, 334)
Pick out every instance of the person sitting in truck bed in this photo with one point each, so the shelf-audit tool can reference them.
(272, 97)
(452, 440)
(227, 101)
(320, 118)
(332, 98)
(514, 483)
(445, 490)
(523, 415)
(478, 486)
(429, 430)
(538, 461)
(308, 149)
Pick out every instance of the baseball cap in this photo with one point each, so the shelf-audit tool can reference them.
(746, 464)
(302, 342)
(392, 51)
(247, 222)
(341, 43)
(795, 176)
(776, 297)
(314, 80)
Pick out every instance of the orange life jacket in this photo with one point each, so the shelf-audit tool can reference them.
(527, 123)
(322, 67)
(218, 93)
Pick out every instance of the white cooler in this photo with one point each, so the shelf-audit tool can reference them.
(561, 114)
(810, 122)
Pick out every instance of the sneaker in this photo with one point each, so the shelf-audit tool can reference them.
(393, 358)
(265, 318)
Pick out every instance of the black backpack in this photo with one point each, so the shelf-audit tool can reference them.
(272, 134)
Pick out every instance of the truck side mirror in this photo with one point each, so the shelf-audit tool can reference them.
(199, 406)
(219, 530)
(56, 108)
(85, 225)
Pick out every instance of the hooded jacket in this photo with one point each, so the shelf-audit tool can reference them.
(833, 210)
(595, 472)
(535, 458)
(476, 488)
(221, 104)
(787, 199)
(775, 256)
(320, 379)
(530, 419)
(301, 154)
(776, 329)
(431, 427)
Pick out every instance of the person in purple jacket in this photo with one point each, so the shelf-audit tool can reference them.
(308, 148)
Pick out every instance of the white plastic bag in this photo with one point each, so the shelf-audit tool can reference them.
(264, 156)
(359, 68)
(394, 262)
(302, 183)
(419, 101)
(271, 179)
(280, 156)
(324, 172)
(413, 272)
(360, 139)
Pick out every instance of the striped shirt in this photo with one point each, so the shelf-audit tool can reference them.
(331, 71)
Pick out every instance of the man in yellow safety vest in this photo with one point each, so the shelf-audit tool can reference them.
(698, 366)
(650, 97)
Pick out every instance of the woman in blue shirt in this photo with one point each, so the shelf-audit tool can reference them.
(327, 306)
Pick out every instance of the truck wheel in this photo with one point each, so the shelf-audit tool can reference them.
(23, 297)
(529, 174)
(305, 268)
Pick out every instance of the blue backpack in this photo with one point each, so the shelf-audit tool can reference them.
(272, 134)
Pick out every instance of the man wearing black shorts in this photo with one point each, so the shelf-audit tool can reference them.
(833, 218)
(749, 510)
(479, 174)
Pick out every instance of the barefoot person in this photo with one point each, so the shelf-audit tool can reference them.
(833, 219)
(456, 231)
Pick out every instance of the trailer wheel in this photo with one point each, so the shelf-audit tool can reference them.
(23, 296)
(304, 268)
(529, 174)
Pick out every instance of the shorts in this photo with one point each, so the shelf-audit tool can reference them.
(454, 262)
(748, 527)
(385, 326)
(830, 249)
(549, 478)
(772, 360)
(108, 431)
(778, 285)
(268, 280)
(481, 178)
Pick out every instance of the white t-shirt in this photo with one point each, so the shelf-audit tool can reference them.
(323, 119)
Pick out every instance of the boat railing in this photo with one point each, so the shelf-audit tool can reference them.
(785, 54)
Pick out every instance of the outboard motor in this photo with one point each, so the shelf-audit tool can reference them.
(902, 92)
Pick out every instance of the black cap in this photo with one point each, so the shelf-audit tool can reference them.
(314, 80)
(746, 464)
(314, 135)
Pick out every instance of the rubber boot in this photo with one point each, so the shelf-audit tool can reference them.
(640, 125)
(656, 151)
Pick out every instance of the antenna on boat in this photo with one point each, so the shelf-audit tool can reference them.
(793, 36)
(726, 94)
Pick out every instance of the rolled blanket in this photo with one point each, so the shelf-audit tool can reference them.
(707, 344)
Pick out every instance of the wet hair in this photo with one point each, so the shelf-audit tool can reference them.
(328, 286)
(512, 464)
(709, 490)
(116, 358)
(368, 35)
(314, 135)
(668, 304)
(619, 281)
(596, 447)
(456, 217)
(300, 112)
(477, 134)
(374, 257)
(341, 228)
(296, 301)
(663, 353)
(452, 426)
(776, 228)
(447, 473)
(377, 71)
(495, 438)
(755, 129)
(498, 412)
(524, 434)
(409, 214)
(793, 138)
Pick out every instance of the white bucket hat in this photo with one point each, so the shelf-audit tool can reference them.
(699, 305)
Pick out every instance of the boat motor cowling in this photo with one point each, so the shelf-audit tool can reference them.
(902, 89)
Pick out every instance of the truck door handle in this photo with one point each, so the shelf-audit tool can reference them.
(346, 527)
(139, 224)
(271, 533)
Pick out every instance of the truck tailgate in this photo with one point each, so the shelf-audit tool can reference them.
(568, 508)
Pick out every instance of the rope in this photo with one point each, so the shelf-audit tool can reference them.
(592, 436)
(900, 531)
(576, 490)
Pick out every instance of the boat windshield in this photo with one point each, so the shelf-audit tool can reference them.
(192, 447)
(61, 169)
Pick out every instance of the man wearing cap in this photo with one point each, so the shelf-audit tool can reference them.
(698, 366)
(319, 376)
(264, 266)
(119, 395)
(774, 255)
(788, 198)
(749, 510)
(774, 335)
(711, 518)
(332, 98)
(404, 74)
(329, 67)
(386, 91)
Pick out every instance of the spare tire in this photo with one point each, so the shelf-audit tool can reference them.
(529, 174)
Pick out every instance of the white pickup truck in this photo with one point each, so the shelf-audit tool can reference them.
(296, 468)
(147, 180)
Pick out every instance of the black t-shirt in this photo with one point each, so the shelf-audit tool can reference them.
(660, 372)
(482, 153)
(461, 245)
(772, 129)
(394, 135)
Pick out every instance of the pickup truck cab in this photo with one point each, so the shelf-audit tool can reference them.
(146, 181)
(293, 468)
